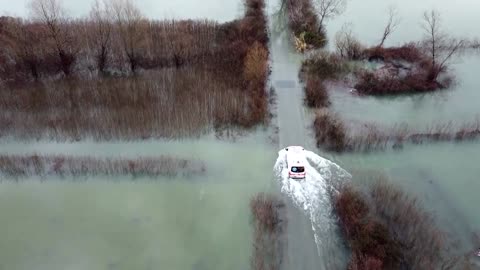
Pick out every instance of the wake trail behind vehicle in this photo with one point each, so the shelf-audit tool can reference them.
(313, 194)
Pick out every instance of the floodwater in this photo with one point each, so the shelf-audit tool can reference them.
(200, 222)
(203, 222)
(444, 175)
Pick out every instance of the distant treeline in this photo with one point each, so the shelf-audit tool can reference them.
(116, 37)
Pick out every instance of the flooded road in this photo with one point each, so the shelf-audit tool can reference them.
(311, 233)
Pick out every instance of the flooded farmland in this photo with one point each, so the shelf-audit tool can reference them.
(203, 221)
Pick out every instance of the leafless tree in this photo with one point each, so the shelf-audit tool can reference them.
(129, 21)
(438, 44)
(347, 45)
(53, 15)
(101, 17)
(392, 24)
(330, 8)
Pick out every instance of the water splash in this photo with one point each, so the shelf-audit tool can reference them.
(313, 193)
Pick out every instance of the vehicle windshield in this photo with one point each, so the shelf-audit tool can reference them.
(298, 169)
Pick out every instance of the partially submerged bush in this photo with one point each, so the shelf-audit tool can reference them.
(304, 23)
(316, 95)
(330, 132)
(409, 52)
(150, 105)
(59, 165)
(323, 65)
(269, 229)
(373, 84)
(388, 229)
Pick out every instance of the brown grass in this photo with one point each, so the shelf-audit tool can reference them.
(330, 132)
(59, 165)
(396, 78)
(315, 70)
(165, 103)
(269, 230)
(388, 229)
(326, 66)
(414, 82)
(334, 135)
(408, 52)
(316, 95)
(189, 77)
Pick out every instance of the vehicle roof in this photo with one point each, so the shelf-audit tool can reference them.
(295, 159)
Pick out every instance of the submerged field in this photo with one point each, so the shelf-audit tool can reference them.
(166, 160)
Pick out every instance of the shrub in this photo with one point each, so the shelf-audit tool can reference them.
(323, 65)
(25, 166)
(304, 23)
(330, 132)
(256, 63)
(388, 229)
(316, 95)
(408, 52)
(372, 84)
(269, 229)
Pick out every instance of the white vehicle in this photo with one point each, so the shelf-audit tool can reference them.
(295, 162)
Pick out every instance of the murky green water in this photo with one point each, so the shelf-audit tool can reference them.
(104, 223)
(445, 175)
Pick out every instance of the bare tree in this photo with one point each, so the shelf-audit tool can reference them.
(392, 24)
(129, 20)
(330, 8)
(347, 45)
(52, 14)
(438, 44)
(102, 35)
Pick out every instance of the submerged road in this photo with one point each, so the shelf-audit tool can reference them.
(301, 252)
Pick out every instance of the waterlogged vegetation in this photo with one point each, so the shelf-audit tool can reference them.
(388, 229)
(140, 108)
(382, 223)
(269, 240)
(333, 134)
(18, 167)
(415, 67)
(119, 75)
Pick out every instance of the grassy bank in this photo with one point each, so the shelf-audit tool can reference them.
(16, 167)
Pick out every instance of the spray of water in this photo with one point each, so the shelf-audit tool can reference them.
(313, 193)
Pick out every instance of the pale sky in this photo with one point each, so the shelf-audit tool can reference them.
(220, 10)
(460, 17)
